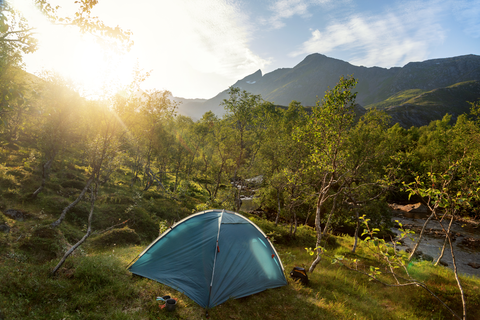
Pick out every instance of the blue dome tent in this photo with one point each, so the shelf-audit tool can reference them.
(212, 256)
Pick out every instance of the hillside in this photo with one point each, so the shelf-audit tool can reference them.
(416, 107)
(94, 284)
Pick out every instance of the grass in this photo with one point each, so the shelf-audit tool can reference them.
(95, 284)
(453, 98)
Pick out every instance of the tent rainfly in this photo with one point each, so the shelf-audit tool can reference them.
(212, 256)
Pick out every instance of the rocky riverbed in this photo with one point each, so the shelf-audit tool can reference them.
(465, 235)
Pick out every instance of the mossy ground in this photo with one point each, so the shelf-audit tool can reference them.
(95, 284)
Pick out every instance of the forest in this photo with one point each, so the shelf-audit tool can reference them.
(85, 184)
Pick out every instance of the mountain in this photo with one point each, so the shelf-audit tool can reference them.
(190, 107)
(308, 81)
(422, 108)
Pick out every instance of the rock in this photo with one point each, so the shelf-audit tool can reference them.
(427, 257)
(414, 207)
(471, 242)
(443, 263)
(417, 254)
(474, 265)
(4, 227)
(15, 214)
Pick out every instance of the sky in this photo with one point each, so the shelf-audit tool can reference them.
(196, 49)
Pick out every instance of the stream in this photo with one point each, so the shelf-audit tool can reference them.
(466, 256)
(431, 244)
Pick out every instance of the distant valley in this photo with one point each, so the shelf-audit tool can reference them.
(414, 94)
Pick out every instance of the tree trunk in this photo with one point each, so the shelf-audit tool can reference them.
(318, 228)
(356, 231)
(456, 278)
(279, 208)
(73, 204)
(296, 224)
(444, 242)
(176, 181)
(421, 234)
(45, 172)
(327, 225)
(89, 231)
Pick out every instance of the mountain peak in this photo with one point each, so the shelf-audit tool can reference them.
(257, 75)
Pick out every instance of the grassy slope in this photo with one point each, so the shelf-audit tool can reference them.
(417, 107)
(454, 97)
(397, 99)
(94, 284)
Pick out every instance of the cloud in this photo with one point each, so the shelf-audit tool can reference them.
(219, 37)
(388, 39)
(284, 9)
(210, 36)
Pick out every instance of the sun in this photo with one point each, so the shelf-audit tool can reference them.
(97, 69)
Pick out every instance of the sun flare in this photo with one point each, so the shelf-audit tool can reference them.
(95, 68)
(98, 69)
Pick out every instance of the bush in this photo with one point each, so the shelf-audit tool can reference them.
(71, 234)
(3, 242)
(44, 244)
(107, 215)
(17, 172)
(143, 224)
(76, 184)
(305, 235)
(115, 198)
(3, 219)
(53, 205)
(95, 272)
(116, 237)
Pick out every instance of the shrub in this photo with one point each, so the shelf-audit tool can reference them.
(95, 272)
(305, 235)
(116, 237)
(17, 172)
(143, 224)
(3, 242)
(53, 204)
(116, 198)
(44, 244)
(76, 184)
(71, 234)
(2, 218)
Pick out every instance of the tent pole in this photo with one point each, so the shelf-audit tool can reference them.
(217, 249)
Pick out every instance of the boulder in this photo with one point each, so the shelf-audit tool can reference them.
(427, 257)
(15, 214)
(443, 263)
(414, 207)
(417, 254)
(474, 265)
(471, 242)
(4, 228)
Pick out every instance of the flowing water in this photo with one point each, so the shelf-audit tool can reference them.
(432, 245)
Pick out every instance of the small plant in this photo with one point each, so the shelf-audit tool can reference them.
(393, 262)
(162, 226)
(288, 257)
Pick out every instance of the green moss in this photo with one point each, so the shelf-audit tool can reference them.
(2, 218)
(116, 237)
(79, 185)
(44, 244)
(143, 224)
(71, 234)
